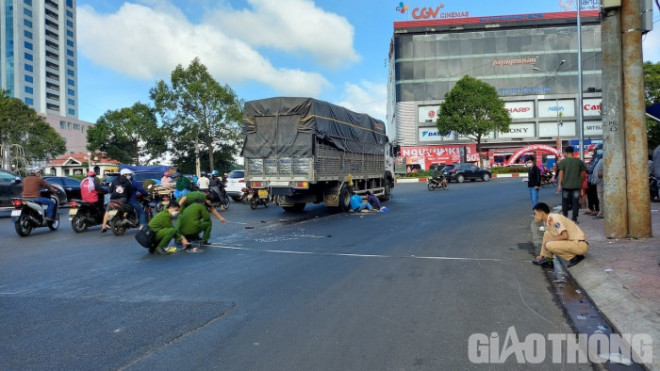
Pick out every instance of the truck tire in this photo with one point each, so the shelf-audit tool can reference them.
(345, 198)
(387, 192)
(296, 208)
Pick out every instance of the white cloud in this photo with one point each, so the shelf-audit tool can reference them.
(148, 43)
(367, 97)
(651, 46)
(293, 26)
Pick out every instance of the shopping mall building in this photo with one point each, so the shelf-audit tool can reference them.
(530, 59)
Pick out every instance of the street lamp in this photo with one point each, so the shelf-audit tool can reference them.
(557, 112)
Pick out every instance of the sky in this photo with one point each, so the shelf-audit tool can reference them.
(333, 50)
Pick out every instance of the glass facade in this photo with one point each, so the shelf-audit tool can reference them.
(533, 65)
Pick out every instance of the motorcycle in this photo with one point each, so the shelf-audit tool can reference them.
(28, 215)
(437, 181)
(123, 216)
(223, 198)
(260, 198)
(546, 179)
(84, 215)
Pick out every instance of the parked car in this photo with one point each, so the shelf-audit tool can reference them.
(235, 182)
(11, 186)
(463, 171)
(139, 176)
(71, 186)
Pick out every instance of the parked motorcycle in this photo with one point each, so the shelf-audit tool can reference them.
(28, 215)
(260, 198)
(123, 216)
(84, 215)
(546, 179)
(436, 181)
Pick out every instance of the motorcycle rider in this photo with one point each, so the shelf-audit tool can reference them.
(203, 182)
(32, 185)
(215, 184)
(166, 178)
(133, 199)
(120, 190)
(91, 191)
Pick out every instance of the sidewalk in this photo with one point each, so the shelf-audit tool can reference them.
(622, 277)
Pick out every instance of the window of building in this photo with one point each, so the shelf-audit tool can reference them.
(27, 34)
(71, 92)
(29, 68)
(69, 14)
(53, 107)
(70, 82)
(69, 3)
(69, 62)
(71, 101)
(28, 45)
(29, 101)
(69, 33)
(69, 52)
(28, 56)
(27, 23)
(68, 126)
(69, 43)
(62, 124)
(71, 112)
(27, 2)
(29, 90)
(29, 78)
(69, 72)
(76, 126)
(27, 12)
(69, 23)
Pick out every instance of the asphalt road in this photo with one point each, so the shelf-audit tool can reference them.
(278, 291)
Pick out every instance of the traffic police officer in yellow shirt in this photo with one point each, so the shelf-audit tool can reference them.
(562, 237)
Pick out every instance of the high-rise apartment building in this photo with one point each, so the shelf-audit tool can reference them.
(38, 62)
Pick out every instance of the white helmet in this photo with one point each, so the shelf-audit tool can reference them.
(125, 172)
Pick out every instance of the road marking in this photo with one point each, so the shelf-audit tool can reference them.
(297, 252)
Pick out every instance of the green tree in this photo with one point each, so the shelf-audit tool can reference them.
(20, 124)
(198, 110)
(130, 135)
(473, 108)
(652, 96)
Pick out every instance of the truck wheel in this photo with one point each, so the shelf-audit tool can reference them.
(345, 198)
(387, 192)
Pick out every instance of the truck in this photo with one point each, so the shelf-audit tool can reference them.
(304, 150)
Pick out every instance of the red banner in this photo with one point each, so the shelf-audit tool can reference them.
(425, 156)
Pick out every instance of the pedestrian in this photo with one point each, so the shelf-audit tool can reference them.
(562, 237)
(373, 200)
(533, 179)
(161, 225)
(656, 162)
(569, 182)
(592, 195)
(600, 185)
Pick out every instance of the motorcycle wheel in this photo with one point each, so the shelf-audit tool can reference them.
(117, 230)
(254, 204)
(224, 202)
(23, 227)
(444, 185)
(78, 224)
(431, 186)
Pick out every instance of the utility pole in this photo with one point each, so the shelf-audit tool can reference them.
(639, 202)
(614, 147)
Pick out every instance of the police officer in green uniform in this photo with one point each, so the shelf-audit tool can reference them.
(199, 197)
(161, 224)
(195, 219)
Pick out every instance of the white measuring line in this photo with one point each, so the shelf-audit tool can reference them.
(296, 252)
